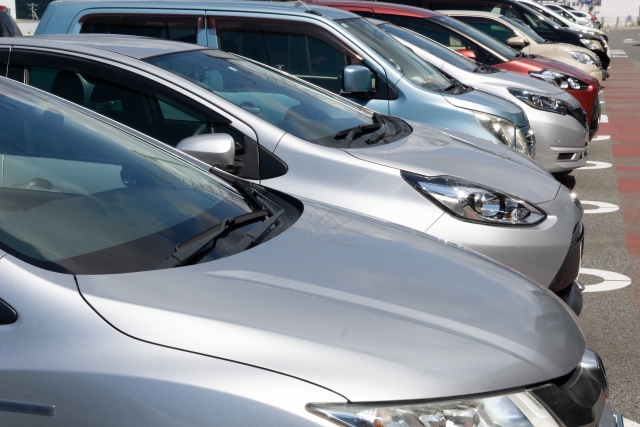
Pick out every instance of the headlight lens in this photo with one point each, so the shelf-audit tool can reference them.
(582, 58)
(473, 202)
(591, 44)
(509, 410)
(503, 130)
(559, 79)
(539, 101)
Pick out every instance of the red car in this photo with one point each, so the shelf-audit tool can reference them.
(482, 48)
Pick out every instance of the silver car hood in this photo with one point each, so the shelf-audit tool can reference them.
(434, 151)
(370, 310)
(479, 100)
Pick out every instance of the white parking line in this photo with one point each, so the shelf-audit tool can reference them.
(596, 165)
(611, 282)
(618, 53)
(602, 207)
(629, 423)
(601, 138)
(604, 118)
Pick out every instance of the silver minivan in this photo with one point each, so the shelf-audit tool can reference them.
(355, 60)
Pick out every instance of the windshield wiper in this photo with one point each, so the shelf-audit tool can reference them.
(352, 133)
(257, 232)
(455, 88)
(188, 249)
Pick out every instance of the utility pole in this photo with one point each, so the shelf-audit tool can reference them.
(33, 8)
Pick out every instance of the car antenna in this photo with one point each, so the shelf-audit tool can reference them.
(309, 10)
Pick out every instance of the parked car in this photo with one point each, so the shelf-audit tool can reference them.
(581, 19)
(283, 330)
(8, 27)
(478, 46)
(595, 21)
(560, 138)
(309, 142)
(567, 22)
(401, 84)
(550, 30)
(521, 37)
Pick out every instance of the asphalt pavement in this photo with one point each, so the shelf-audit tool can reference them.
(609, 188)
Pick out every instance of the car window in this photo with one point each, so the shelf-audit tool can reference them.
(82, 196)
(302, 50)
(493, 28)
(547, 15)
(288, 104)
(431, 30)
(491, 43)
(181, 28)
(538, 25)
(447, 55)
(525, 29)
(402, 59)
(498, 7)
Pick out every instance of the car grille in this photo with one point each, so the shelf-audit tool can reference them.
(580, 115)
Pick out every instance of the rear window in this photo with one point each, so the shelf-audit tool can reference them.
(182, 28)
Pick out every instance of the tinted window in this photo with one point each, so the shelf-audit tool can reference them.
(81, 196)
(525, 29)
(299, 49)
(153, 114)
(488, 41)
(447, 55)
(170, 27)
(496, 30)
(539, 25)
(431, 30)
(548, 15)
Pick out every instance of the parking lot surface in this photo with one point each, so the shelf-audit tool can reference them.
(609, 188)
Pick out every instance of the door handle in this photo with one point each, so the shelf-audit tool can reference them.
(7, 314)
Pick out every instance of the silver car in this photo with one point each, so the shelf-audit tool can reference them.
(306, 141)
(281, 312)
(561, 138)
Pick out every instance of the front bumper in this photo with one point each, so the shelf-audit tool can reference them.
(537, 252)
(561, 141)
(565, 284)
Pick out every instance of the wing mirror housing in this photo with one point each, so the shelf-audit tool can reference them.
(468, 53)
(212, 148)
(356, 79)
(517, 42)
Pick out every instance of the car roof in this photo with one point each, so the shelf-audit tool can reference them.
(470, 13)
(381, 7)
(288, 7)
(131, 46)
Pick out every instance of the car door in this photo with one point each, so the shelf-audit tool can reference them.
(140, 103)
(304, 50)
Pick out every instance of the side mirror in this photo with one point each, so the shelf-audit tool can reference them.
(356, 78)
(211, 148)
(468, 53)
(517, 42)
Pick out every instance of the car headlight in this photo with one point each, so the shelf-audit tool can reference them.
(540, 101)
(516, 409)
(559, 79)
(591, 44)
(503, 130)
(474, 202)
(582, 58)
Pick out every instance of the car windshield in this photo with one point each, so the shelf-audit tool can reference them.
(402, 59)
(447, 55)
(82, 196)
(290, 104)
(465, 29)
(524, 29)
